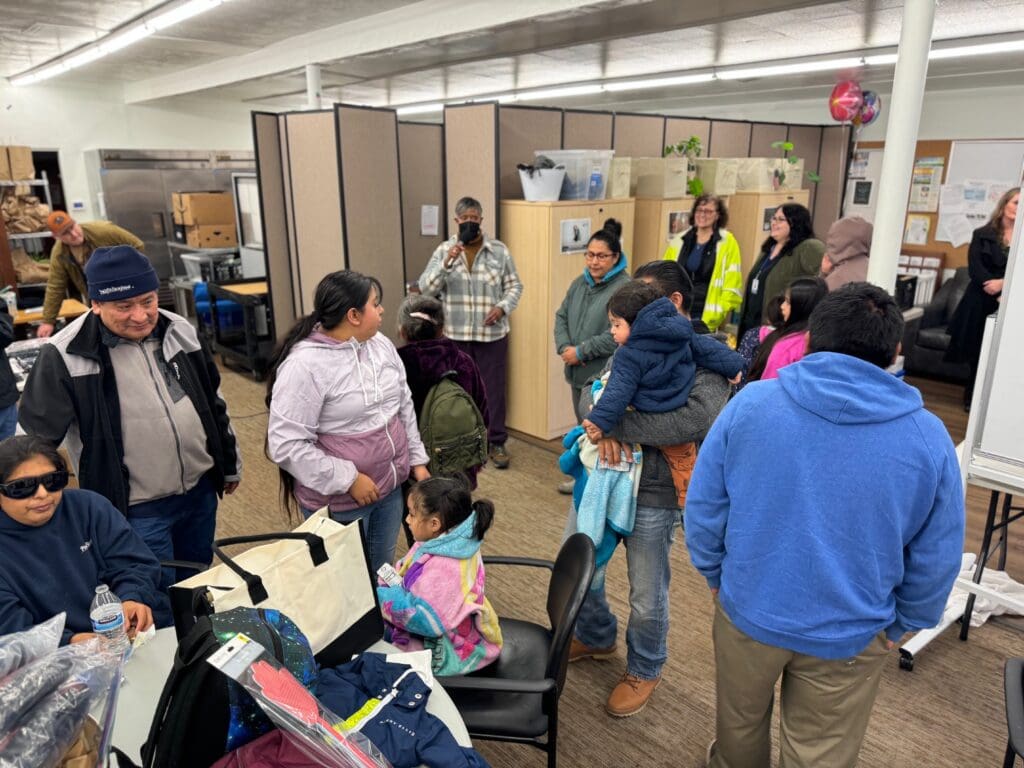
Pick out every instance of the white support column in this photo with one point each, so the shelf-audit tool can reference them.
(312, 86)
(901, 141)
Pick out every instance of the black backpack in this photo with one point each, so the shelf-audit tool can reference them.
(192, 719)
(452, 428)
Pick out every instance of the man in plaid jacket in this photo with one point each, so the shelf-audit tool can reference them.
(476, 279)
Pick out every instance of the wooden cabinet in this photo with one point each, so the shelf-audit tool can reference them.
(656, 218)
(539, 401)
(749, 214)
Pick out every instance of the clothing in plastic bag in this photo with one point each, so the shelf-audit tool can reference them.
(19, 648)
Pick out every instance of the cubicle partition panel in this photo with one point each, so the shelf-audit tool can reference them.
(371, 197)
(806, 140)
(471, 159)
(729, 138)
(832, 163)
(587, 130)
(266, 129)
(421, 169)
(316, 201)
(761, 137)
(682, 128)
(638, 135)
(521, 132)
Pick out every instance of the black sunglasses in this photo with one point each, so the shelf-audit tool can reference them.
(24, 487)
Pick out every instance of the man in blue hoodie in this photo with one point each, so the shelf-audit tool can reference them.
(827, 515)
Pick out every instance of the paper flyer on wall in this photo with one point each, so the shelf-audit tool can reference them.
(964, 207)
(925, 184)
(916, 231)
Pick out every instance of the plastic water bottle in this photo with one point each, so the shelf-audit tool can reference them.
(107, 616)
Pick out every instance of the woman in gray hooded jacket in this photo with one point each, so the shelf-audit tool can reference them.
(847, 248)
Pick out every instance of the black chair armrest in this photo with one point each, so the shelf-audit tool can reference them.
(935, 314)
(502, 684)
(530, 562)
(1013, 680)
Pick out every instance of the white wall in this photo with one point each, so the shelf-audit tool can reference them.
(977, 113)
(73, 119)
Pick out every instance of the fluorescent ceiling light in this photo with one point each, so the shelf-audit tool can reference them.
(658, 82)
(881, 60)
(124, 37)
(788, 69)
(419, 109)
(554, 93)
(982, 49)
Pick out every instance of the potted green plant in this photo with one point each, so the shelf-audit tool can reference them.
(779, 175)
(690, 149)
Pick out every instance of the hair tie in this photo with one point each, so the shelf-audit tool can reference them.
(423, 316)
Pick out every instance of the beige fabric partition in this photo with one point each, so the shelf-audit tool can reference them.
(471, 159)
(312, 163)
(421, 169)
(806, 141)
(522, 131)
(682, 128)
(729, 139)
(270, 179)
(639, 135)
(587, 130)
(761, 137)
(367, 142)
(835, 145)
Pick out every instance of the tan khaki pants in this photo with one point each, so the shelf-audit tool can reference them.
(824, 705)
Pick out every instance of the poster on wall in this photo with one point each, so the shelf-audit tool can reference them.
(925, 184)
(766, 218)
(859, 164)
(428, 219)
(862, 192)
(964, 207)
(916, 231)
(575, 235)
(677, 222)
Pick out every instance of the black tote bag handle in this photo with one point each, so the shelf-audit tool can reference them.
(254, 583)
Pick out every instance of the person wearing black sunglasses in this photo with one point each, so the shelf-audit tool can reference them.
(59, 545)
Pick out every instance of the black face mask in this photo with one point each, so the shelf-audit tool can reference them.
(468, 231)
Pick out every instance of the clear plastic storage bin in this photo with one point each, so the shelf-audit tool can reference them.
(586, 171)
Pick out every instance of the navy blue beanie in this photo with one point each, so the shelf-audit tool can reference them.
(119, 272)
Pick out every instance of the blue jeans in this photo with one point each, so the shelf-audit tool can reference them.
(8, 417)
(177, 528)
(381, 522)
(647, 562)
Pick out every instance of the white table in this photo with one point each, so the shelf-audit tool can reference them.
(147, 670)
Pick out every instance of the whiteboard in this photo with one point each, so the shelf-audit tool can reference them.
(987, 160)
(1002, 422)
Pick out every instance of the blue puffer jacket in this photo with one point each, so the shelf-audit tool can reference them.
(654, 370)
(402, 728)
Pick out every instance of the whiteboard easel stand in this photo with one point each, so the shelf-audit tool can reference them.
(982, 467)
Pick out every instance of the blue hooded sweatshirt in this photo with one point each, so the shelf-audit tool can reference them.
(826, 505)
(655, 369)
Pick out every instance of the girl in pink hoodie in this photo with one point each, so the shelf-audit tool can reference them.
(341, 427)
(788, 343)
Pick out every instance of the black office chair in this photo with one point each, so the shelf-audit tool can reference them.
(1013, 681)
(924, 352)
(516, 698)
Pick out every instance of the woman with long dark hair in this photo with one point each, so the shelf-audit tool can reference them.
(986, 262)
(788, 343)
(342, 428)
(789, 252)
(711, 257)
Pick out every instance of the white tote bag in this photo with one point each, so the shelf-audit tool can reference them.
(316, 575)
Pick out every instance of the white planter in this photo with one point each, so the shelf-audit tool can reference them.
(545, 184)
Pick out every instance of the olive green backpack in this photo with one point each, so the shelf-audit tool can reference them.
(452, 428)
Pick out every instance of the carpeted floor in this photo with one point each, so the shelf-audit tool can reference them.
(947, 712)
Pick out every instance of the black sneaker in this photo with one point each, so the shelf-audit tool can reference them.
(500, 457)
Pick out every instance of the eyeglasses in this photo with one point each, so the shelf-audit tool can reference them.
(24, 487)
(706, 211)
(780, 219)
(600, 256)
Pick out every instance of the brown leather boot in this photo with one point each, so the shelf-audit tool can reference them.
(578, 650)
(630, 695)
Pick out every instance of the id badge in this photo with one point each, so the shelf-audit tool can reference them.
(755, 285)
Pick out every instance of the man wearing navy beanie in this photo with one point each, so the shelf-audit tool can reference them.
(133, 393)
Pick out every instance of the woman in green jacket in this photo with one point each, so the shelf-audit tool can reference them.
(789, 252)
(582, 336)
(711, 257)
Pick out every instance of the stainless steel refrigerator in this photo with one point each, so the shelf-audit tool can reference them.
(133, 187)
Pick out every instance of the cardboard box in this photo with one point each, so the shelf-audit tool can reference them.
(718, 174)
(768, 174)
(5, 165)
(211, 236)
(661, 176)
(19, 160)
(203, 209)
(621, 178)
